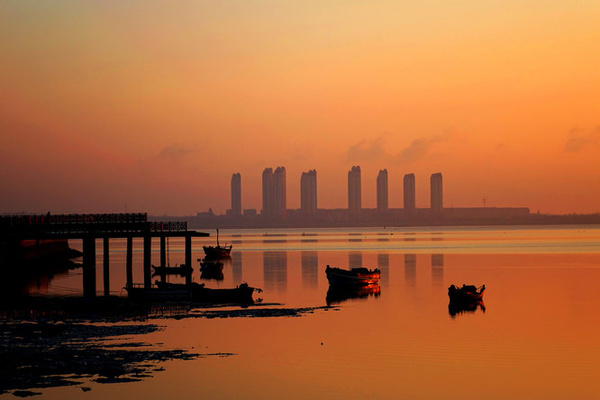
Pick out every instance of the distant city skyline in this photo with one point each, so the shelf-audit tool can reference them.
(274, 192)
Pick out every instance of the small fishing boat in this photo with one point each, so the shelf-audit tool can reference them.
(466, 293)
(199, 292)
(138, 292)
(218, 251)
(354, 276)
(182, 270)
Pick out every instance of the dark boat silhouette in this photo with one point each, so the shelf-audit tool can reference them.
(218, 251)
(466, 293)
(355, 276)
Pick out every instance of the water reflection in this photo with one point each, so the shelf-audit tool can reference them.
(355, 259)
(310, 269)
(456, 308)
(437, 269)
(236, 267)
(339, 293)
(275, 270)
(410, 269)
(383, 263)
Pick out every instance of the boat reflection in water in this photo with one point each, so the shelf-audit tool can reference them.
(455, 308)
(339, 293)
(211, 269)
(465, 299)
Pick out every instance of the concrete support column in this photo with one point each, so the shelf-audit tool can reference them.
(89, 266)
(188, 258)
(163, 251)
(106, 268)
(129, 262)
(147, 261)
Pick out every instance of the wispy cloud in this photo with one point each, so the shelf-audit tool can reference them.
(367, 150)
(376, 149)
(578, 140)
(175, 152)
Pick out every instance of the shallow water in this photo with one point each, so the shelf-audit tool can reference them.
(536, 337)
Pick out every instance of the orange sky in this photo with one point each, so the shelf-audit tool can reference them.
(150, 106)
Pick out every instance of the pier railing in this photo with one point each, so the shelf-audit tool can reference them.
(82, 223)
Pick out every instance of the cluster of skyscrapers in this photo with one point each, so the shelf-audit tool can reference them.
(274, 200)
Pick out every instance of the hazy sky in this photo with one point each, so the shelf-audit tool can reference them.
(112, 106)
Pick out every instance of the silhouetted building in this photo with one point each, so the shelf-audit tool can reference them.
(354, 191)
(409, 192)
(308, 192)
(437, 200)
(236, 195)
(382, 190)
(279, 193)
(267, 193)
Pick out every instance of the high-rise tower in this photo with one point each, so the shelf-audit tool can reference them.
(308, 192)
(236, 194)
(437, 199)
(382, 190)
(409, 192)
(354, 191)
(267, 192)
(279, 193)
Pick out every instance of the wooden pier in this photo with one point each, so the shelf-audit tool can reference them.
(89, 228)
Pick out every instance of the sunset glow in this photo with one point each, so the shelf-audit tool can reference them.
(152, 106)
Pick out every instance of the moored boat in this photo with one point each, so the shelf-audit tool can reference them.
(354, 276)
(466, 293)
(199, 292)
(218, 251)
(138, 292)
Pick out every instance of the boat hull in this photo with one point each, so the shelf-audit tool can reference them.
(465, 294)
(217, 252)
(355, 276)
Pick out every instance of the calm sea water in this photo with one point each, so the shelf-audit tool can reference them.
(536, 337)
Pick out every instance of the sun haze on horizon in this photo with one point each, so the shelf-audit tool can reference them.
(151, 106)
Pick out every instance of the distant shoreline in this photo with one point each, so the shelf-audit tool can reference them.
(225, 222)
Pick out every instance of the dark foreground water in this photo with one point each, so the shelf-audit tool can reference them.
(537, 335)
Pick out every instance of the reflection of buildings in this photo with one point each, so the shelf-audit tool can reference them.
(437, 202)
(383, 263)
(310, 268)
(355, 259)
(382, 190)
(275, 270)
(354, 192)
(437, 268)
(410, 269)
(236, 267)
(236, 195)
(308, 192)
(409, 192)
